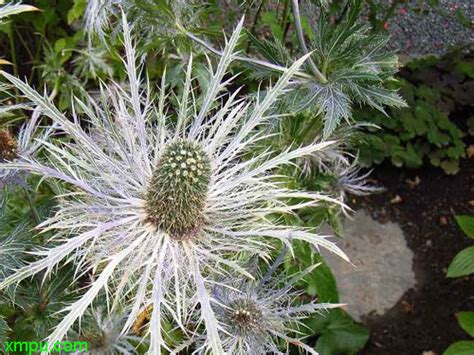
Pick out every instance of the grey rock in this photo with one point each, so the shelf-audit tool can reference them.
(382, 266)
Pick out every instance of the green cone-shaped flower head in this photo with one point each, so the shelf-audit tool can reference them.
(176, 197)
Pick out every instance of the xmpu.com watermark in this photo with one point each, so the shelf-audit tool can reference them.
(35, 347)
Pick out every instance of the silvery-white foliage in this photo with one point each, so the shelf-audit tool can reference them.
(107, 225)
(337, 154)
(23, 148)
(344, 167)
(150, 17)
(10, 254)
(349, 179)
(14, 8)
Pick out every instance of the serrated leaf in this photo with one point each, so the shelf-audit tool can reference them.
(466, 223)
(462, 264)
(273, 51)
(377, 97)
(333, 104)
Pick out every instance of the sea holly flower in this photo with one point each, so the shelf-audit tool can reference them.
(349, 179)
(259, 316)
(155, 207)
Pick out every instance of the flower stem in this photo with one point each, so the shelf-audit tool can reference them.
(254, 61)
(304, 48)
(35, 213)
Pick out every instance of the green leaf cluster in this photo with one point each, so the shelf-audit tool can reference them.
(464, 347)
(463, 265)
(415, 135)
(463, 262)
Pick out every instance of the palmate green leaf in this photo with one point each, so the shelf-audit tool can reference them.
(466, 321)
(467, 225)
(450, 166)
(462, 264)
(465, 347)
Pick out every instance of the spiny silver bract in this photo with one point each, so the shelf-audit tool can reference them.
(26, 145)
(156, 21)
(112, 171)
(177, 194)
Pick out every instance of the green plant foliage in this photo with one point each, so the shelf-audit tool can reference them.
(320, 282)
(338, 333)
(414, 135)
(465, 347)
(466, 321)
(466, 223)
(462, 265)
(4, 329)
(349, 66)
(463, 262)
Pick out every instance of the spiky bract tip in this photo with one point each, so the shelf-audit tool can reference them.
(176, 196)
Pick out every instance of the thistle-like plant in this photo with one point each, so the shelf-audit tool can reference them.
(263, 315)
(159, 199)
(348, 65)
(348, 179)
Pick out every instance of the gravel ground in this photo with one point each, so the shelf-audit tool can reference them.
(419, 29)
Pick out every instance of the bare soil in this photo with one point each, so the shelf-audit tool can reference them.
(424, 202)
